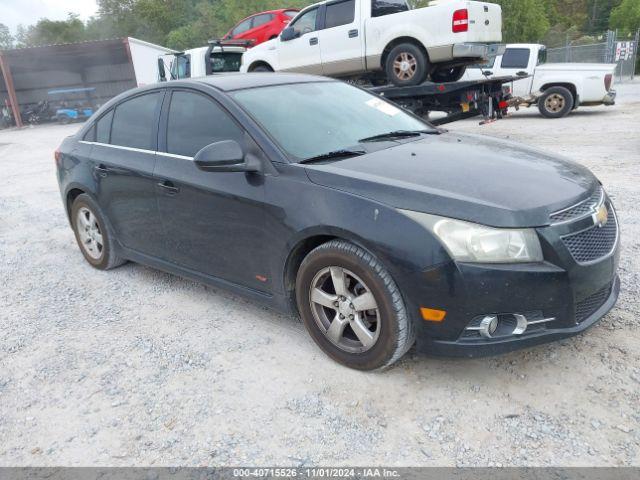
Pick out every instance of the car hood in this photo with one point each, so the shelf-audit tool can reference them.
(469, 177)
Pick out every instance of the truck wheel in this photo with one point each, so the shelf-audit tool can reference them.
(352, 308)
(407, 65)
(556, 102)
(450, 74)
(261, 68)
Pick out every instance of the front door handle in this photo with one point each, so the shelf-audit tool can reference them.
(101, 170)
(169, 187)
(313, 41)
(353, 33)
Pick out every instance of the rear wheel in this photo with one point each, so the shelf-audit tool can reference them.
(94, 238)
(261, 68)
(352, 308)
(450, 74)
(406, 65)
(556, 102)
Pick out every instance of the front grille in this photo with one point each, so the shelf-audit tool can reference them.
(583, 209)
(588, 306)
(597, 242)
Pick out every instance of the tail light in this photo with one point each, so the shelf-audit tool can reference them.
(58, 156)
(460, 21)
(607, 81)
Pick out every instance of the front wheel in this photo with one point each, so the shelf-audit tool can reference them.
(556, 102)
(352, 308)
(406, 65)
(451, 74)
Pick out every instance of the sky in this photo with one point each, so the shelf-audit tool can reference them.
(28, 12)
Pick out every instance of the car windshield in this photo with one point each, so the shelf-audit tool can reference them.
(312, 119)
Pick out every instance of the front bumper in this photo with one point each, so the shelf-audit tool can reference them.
(477, 50)
(500, 346)
(573, 292)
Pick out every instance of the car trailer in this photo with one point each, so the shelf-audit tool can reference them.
(459, 100)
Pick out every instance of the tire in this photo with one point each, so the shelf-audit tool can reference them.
(261, 68)
(390, 331)
(556, 102)
(407, 65)
(94, 237)
(451, 74)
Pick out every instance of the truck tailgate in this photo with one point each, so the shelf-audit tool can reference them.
(485, 22)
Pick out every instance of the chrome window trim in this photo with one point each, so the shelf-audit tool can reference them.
(139, 150)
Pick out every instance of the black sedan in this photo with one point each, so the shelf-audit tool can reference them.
(317, 197)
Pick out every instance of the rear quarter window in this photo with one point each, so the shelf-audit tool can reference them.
(103, 128)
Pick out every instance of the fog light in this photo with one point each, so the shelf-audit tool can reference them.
(504, 325)
(488, 326)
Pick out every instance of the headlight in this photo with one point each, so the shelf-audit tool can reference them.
(474, 243)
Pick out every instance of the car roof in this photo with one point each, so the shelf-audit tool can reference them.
(237, 81)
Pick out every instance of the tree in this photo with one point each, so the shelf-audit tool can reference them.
(50, 32)
(626, 17)
(523, 20)
(6, 39)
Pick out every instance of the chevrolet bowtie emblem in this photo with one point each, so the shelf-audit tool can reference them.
(601, 217)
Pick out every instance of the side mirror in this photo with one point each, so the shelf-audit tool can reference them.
(225, 156)
(161, 71)
(287, 34)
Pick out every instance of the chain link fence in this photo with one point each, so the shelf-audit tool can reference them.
(615, 49)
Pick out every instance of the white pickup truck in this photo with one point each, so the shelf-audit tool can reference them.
(384, 40)
(556, 88)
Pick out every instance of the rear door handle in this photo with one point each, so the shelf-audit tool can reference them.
(101, 170)
(353, 33)
(313, 41)
(169, 187)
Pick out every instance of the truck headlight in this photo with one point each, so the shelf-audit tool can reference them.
(474, 243)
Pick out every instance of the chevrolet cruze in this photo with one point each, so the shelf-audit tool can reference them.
(378, 229)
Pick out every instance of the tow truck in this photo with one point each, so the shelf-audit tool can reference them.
(488, 98)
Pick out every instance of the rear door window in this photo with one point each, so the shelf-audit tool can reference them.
(196, 121)
(516, 58)
(261, 19)
(103, 128)
(341, 13)
(134, 122)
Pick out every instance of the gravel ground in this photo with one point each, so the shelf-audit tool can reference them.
(137, 367)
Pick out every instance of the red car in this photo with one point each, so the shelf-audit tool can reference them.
(262, 26)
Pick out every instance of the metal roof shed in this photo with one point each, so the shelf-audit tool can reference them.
(108, 66)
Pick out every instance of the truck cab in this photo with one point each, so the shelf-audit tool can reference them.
(200, 62)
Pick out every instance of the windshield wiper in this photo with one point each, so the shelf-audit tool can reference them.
(343, 153)
(398, 134)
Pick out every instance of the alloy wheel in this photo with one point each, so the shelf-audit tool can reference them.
(89, 233)
(345, 309)
(405, 66)
(554, 103)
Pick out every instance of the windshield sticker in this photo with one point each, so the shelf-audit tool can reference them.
(383, 107)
